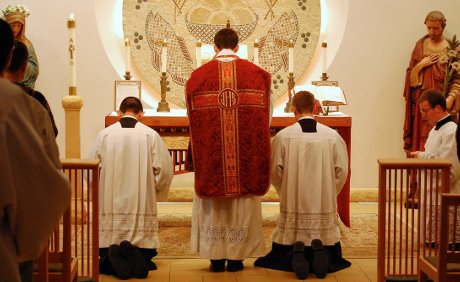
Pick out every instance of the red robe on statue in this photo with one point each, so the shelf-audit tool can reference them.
(228, 106)
(415, 130)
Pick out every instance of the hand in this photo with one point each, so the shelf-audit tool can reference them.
(429, 60)
(413, 154)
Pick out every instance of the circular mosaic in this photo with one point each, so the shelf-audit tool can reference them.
(274, 23)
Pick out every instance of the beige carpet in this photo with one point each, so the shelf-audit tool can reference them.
(358, 242)
(185, 194)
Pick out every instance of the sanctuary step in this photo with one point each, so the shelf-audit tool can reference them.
(185, 194)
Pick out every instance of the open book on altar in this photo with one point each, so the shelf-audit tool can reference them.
(327, 95)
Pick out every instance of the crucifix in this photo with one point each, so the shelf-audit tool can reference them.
(71, 49)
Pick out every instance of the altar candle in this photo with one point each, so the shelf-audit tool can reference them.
(127, 56)
(71, 24)
(256, 52)
(291, 57)
(198, 53)
(324, 46)
(164, 47)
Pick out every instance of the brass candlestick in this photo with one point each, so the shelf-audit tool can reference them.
(127, 75)
(163, 105)
(291, 83)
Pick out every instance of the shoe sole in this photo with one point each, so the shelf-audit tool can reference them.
(299, 263)
(320, 259)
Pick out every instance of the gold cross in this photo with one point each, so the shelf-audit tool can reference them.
(71, 49)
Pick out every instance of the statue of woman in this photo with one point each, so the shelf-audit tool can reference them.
(15, 16)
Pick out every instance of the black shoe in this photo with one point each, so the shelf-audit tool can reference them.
(299, 263)
(234, 265)
(135, 259)
(320, 259)
(217, 265)
(151, 265)
(119, 264)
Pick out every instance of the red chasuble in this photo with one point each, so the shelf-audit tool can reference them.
(229, 107)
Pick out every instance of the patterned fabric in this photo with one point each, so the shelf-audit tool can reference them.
(228, 228)
(295, 226)
(231, 152)
(120, 227)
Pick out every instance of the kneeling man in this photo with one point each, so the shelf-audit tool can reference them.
(309, 168)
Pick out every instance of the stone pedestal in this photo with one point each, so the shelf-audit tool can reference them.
(72, 105)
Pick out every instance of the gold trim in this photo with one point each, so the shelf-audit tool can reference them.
(72, 90)
(71, 24)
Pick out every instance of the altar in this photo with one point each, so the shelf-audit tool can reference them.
(174, 129)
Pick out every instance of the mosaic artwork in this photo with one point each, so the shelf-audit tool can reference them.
(274, 23)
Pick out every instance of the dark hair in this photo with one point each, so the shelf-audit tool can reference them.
(19, 58)
(304, 102)
(226, 38)
(131, 104)
(6, 43)
(433, 97)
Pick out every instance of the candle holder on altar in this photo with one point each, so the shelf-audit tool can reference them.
(127, 75)
(291, 83)
(163, 105)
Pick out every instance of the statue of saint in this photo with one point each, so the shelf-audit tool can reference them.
(427, 70)
(15, 16)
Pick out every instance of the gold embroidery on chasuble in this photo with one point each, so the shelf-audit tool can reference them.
(228, 100)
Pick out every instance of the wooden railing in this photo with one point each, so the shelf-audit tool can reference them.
(84, 180)
(179, 157)
(408, 219)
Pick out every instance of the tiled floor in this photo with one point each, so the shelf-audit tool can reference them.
(197, 270)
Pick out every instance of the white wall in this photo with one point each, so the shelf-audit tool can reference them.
(369, 61)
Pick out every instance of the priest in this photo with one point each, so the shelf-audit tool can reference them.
(228, 103)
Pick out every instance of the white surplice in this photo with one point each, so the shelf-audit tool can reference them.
(441, 144)
(136, 172)
(227, 228)
(308, 172)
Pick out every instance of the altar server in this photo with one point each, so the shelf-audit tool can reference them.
(228, 103)
(309, 168)
(136, 172)
(441, 144)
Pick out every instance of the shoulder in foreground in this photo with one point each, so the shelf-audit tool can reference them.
(10, 92)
